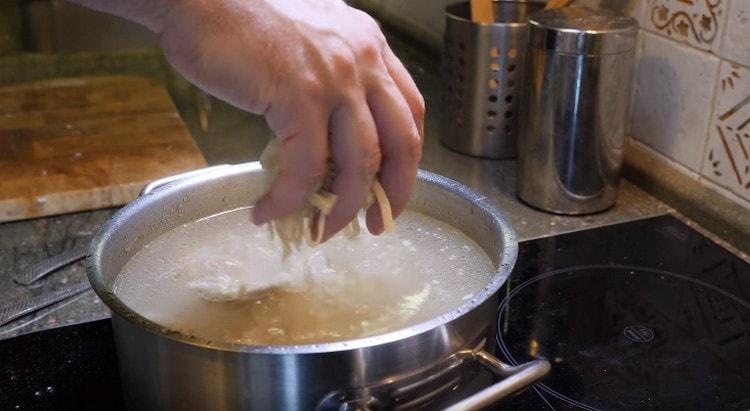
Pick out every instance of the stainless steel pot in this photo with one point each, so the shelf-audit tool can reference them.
(164, 369)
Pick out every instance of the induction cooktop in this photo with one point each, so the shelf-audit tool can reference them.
(647, 314)
(643, 315)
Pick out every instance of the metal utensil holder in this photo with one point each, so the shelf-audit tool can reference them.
(483, 68)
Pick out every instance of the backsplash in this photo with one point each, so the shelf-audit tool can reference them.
(698, 23)
(692, 99)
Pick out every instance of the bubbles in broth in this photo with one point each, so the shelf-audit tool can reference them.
(223, 278)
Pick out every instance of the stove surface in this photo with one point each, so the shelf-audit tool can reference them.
(645, 314)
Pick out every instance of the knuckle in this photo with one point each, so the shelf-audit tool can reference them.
(412, 147)
(370, 163)
(369, 51)
(313, 87)
(311, 177)
(418, 106)
(344, 65)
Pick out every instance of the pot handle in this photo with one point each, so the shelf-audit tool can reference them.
(515, 378)
(156, 184)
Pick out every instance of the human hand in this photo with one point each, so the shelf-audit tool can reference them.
(326, 81)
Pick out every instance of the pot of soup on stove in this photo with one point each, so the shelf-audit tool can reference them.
(212, 312)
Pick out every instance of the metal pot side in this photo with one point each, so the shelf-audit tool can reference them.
(164, 369)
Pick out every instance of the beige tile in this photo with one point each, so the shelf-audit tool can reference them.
(736, 44)
(674, 94)
(727, 155)
(699, 23)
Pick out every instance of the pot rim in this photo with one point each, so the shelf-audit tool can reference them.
(95, 256)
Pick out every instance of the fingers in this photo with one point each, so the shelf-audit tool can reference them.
(385, 124)
(408, 88)
(400, 145)
(356, 155)
(304, 139)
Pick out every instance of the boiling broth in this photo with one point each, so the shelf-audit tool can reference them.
(223, 278)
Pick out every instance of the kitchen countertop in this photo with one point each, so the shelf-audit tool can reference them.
(233, 137)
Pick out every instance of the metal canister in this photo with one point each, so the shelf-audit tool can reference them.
(575, 109)
(483, 69)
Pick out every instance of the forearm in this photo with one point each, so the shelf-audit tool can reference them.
(149, 13)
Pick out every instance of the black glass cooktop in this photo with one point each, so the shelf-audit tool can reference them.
(642, 315)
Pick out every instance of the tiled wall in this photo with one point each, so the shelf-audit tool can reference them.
(692, 101)
(692, 98)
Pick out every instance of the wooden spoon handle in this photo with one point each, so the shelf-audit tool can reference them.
(555, 4)
(482, 11)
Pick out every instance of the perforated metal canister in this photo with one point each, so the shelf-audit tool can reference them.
(483, 68)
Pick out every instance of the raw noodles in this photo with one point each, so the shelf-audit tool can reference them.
(293, 228)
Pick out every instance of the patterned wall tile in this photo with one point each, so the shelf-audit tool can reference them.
(699, 23)
(727, 155)
(674, 93)
(736, 45)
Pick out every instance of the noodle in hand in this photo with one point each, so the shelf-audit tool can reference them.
(295, 227)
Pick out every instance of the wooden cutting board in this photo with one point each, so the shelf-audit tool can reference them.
(83, 143)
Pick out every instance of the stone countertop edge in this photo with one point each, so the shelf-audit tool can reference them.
(727, 220)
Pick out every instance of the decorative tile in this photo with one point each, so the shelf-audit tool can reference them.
(727, 154)
(696, 22)
(736, 45)
(673, 99)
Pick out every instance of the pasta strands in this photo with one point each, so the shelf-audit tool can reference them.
(292, 229)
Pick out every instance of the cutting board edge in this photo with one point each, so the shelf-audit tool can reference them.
(67, 202)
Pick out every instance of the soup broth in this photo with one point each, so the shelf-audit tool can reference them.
(223, 278)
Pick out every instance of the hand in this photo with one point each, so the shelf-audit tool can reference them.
(326, 81)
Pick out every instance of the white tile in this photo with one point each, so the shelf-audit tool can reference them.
(727, 155)
(699, 23)
(736, 45)
(674, 94)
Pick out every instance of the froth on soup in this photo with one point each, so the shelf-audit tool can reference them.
(224, 279)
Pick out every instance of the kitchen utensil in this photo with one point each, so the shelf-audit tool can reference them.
(575, 109)
(41, 269)
(481, 11)
(19, 309)
(166, 369)
(483, 68)
(555, 4)
(72, 144)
